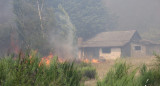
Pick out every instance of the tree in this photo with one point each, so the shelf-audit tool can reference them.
(89, 16)
(64, 37)
(31, 25)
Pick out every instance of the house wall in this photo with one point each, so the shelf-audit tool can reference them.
(115, 53)
(126, 50)
(138, 53)
(80, 53)
(151, 49)
(88, 53)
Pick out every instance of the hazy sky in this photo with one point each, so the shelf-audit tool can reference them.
(132, 14)
(136, 13)
(5, 11)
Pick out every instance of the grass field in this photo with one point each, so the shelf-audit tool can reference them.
(29, 69)
(103, 68)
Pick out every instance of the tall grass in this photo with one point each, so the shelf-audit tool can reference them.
(25, 70)
(87, 70)
(150, 77)
(119, 75)
(123, 75)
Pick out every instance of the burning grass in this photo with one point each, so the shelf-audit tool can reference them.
(30, 70)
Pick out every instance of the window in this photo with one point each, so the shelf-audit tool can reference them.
(106, 50)
(137, 47)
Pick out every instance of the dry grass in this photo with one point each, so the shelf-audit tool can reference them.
(103, 68)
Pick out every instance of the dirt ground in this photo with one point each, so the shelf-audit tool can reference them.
(102, 68)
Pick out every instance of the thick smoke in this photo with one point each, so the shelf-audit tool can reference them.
(63, 37)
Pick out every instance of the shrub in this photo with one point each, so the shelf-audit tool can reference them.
(26, 71)
(150, 77)
(119, 75)
(88, 72)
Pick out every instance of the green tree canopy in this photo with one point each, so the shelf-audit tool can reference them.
(89, 16)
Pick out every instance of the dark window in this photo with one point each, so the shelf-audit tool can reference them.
(106, 50)
(137, 47)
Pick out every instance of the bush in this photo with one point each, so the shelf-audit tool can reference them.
(119, 75)
(150, 77)
(26, 71)
(88, 72)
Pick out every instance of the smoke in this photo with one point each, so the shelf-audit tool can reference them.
(5, 11)
(63, 37)
(141, 15)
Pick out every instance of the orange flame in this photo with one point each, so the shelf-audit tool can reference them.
(61, 60)
(88, 61)
(95, 61)
(14, 44)
(47, 59)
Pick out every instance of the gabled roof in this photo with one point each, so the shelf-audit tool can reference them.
(110, 39)
(147, 42)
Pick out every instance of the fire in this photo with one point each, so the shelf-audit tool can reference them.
(86, 61)
(95, 61)
(47, 60)
(90, 61)
(61, 60)
(14, 43)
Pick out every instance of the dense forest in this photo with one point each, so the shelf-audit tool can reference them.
(55, 25)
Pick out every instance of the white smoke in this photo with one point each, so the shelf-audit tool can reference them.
(63, 38)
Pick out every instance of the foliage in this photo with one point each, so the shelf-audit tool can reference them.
(26, 71)
(122, 75)
(64, 35)
(150, 77)
(87, 70)
(40, 27)
(32, 28)
(89, 17)
(119, 75)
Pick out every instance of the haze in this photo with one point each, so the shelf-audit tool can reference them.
(142, 15)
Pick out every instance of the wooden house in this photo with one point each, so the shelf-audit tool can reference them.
(116, 44)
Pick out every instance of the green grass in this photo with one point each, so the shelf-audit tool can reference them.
(25, 71)
(122, 74)
(87, 70)
(119, 75)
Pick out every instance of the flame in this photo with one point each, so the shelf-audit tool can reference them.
(14, 43)
(47, 59)
(95, 61)
(90, 61)
(86, 61)
(61, 60)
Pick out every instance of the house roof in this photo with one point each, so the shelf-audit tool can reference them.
(109, 39)
(148, 42)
